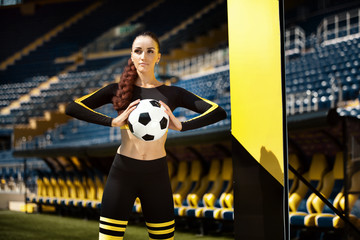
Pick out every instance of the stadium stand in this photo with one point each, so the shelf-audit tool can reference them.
(68, 159)
(55, 14)
(330, 188)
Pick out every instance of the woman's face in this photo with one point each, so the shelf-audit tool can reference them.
(145, 53)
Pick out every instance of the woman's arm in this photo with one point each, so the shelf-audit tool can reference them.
(209, 111)
(83, 108)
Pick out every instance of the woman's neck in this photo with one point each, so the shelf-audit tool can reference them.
(147, 81)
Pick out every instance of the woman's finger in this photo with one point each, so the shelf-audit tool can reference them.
(133, 103)
(167, 109)
(165, 106)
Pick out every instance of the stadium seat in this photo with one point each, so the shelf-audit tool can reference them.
(331, 187)
(91, 194)
(226, 212)
(181, 183)
(293, 181)
(68, 200)
(80, 188)
(194, 201)
(212, 199)
(98, 186)
(50, 193)
(299, 200)
(330, 220)
(137, 206)
(64, 190)
(3, 185)
(41, 190)
(216, 198)
(191, 187)
(57, 191)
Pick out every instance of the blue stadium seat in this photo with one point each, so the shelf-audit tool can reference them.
(331, 187)
(330, 220)
(300, 199)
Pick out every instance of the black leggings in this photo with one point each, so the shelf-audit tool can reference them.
(128, 179)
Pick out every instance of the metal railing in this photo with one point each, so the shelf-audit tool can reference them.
(295, 39)
(310, 101)
(339, 25)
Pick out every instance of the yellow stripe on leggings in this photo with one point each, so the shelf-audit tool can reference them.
(165, 224)
(160, 232)
(172, 238)
(109, 220)
(108, 237)
(112, 228)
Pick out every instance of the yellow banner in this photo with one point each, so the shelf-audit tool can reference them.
(255, 81)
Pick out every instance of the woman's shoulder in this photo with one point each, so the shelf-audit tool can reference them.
(110, 88)
(112, 85)
(173, 88)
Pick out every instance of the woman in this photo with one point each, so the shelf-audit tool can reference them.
(140, 168)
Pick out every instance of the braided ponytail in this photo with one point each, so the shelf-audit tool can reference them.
(127, 80)
(124, 94)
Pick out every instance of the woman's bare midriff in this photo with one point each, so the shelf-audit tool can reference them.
(136, 148)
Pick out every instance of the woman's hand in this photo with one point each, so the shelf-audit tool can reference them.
(121, 120)
(174, 123)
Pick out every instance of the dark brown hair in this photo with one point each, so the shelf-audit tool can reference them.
(124, 94)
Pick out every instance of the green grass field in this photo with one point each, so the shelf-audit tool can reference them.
(21, 226)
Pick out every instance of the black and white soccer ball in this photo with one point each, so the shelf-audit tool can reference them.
(148, 121)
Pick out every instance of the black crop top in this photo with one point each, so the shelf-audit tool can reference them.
(83, 108)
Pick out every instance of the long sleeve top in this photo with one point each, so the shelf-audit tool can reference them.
(209, 112)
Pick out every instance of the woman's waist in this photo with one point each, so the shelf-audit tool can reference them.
(133, 147)
(141, 154)
(142, 150)
(130, 164)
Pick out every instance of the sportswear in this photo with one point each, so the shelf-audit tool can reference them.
(128, 179)
(173, 96)
(131, 178)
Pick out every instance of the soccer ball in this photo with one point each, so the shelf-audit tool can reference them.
(148, 121)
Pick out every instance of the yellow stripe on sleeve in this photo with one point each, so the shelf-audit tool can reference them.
(126, 126)
(213, 107)
(79, 101)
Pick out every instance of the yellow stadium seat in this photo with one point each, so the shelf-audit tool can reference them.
(72, 192)
(41, 190)
(137, 206)
(331, 220)
(181, 181)
(318, 168)
(49, 190)
(227, 210)
(293, 181)
(99, 189)
(191, 183)
(324, 182)
(90, 188)
(215, 199)
(195, 200)
(80, 187)
(181, 201)
(56, 191)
